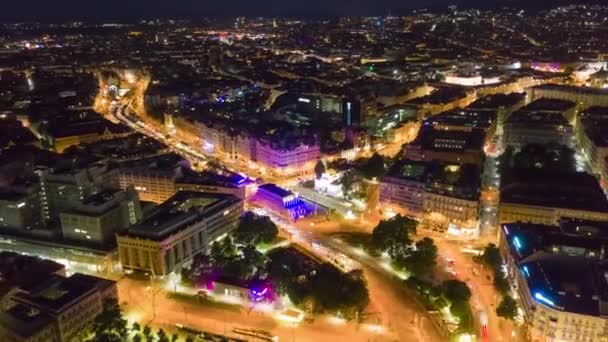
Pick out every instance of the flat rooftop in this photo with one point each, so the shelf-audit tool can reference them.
(56, 292)
(549, 105)
(24, 320)
(494, 102)
(439, 140)
(537, 119)
(456, 180)
(463, 118)
(544, 252)
(274, 189)
(573, 89)
(179, 212)
(536, 187)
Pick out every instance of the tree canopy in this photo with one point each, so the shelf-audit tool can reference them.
(374, 167)
(491, 256)
(347, 181)
(456, 291)
(423, 259)
(109, 325)
(393, 236)
(507, 308)
(254, 229)
(320, 169)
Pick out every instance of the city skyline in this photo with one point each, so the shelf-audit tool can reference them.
(437, 175)
(138, 9)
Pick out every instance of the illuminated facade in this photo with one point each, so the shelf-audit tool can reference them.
(558, 305)
(183, 226)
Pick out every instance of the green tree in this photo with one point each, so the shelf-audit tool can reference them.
(148, 334)
(162, 336)
(174, 337)
(347, 181)
(320, 169)
(254, 229)
(135, 327)
(491, 256)
(335, 291)
(501, 283)
(393, 236)
(507, 308)
(423, 259)
(110, 324)
(456, 291)
(137, 338)
(374, 167)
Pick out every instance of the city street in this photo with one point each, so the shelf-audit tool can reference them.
(158, 310)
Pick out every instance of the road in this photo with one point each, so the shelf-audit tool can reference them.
(162, 311)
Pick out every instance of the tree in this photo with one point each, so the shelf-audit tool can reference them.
(319, 169)
(374, 167)
(189, 338)
(393, 236)
(347, 181)
(137, 338)
(500, 282)
(109, 325)
(456, 291)
(148, 334)
(422, 260)
(491, 256)
(174, 337)
(254, 229)
(335, 291)
(135, 326)
(507, 308)
(162, 336)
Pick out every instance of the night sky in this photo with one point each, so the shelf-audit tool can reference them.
(98, 9)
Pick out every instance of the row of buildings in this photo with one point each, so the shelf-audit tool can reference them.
(88, 200)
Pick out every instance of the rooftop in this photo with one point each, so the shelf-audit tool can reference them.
(497, 101)
(540, 188)
(179, 212)
(463, 118)
(438, 140)
(456, 180)
(537, 119)
(549, 105)
(56, 293)
(544, 252)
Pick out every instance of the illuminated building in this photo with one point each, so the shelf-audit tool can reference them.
(20, 206)
(439, 193)
(561, 276)
(183, 226)
(453, 146)
(97, 218)
(63, 187)
(592, 124)
(284, 200)
(583, 97)
(523, 128)
(58, 309)
(158, 178)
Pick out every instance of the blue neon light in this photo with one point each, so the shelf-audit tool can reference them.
(517, 243)
(526, 271)
(543, 299)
